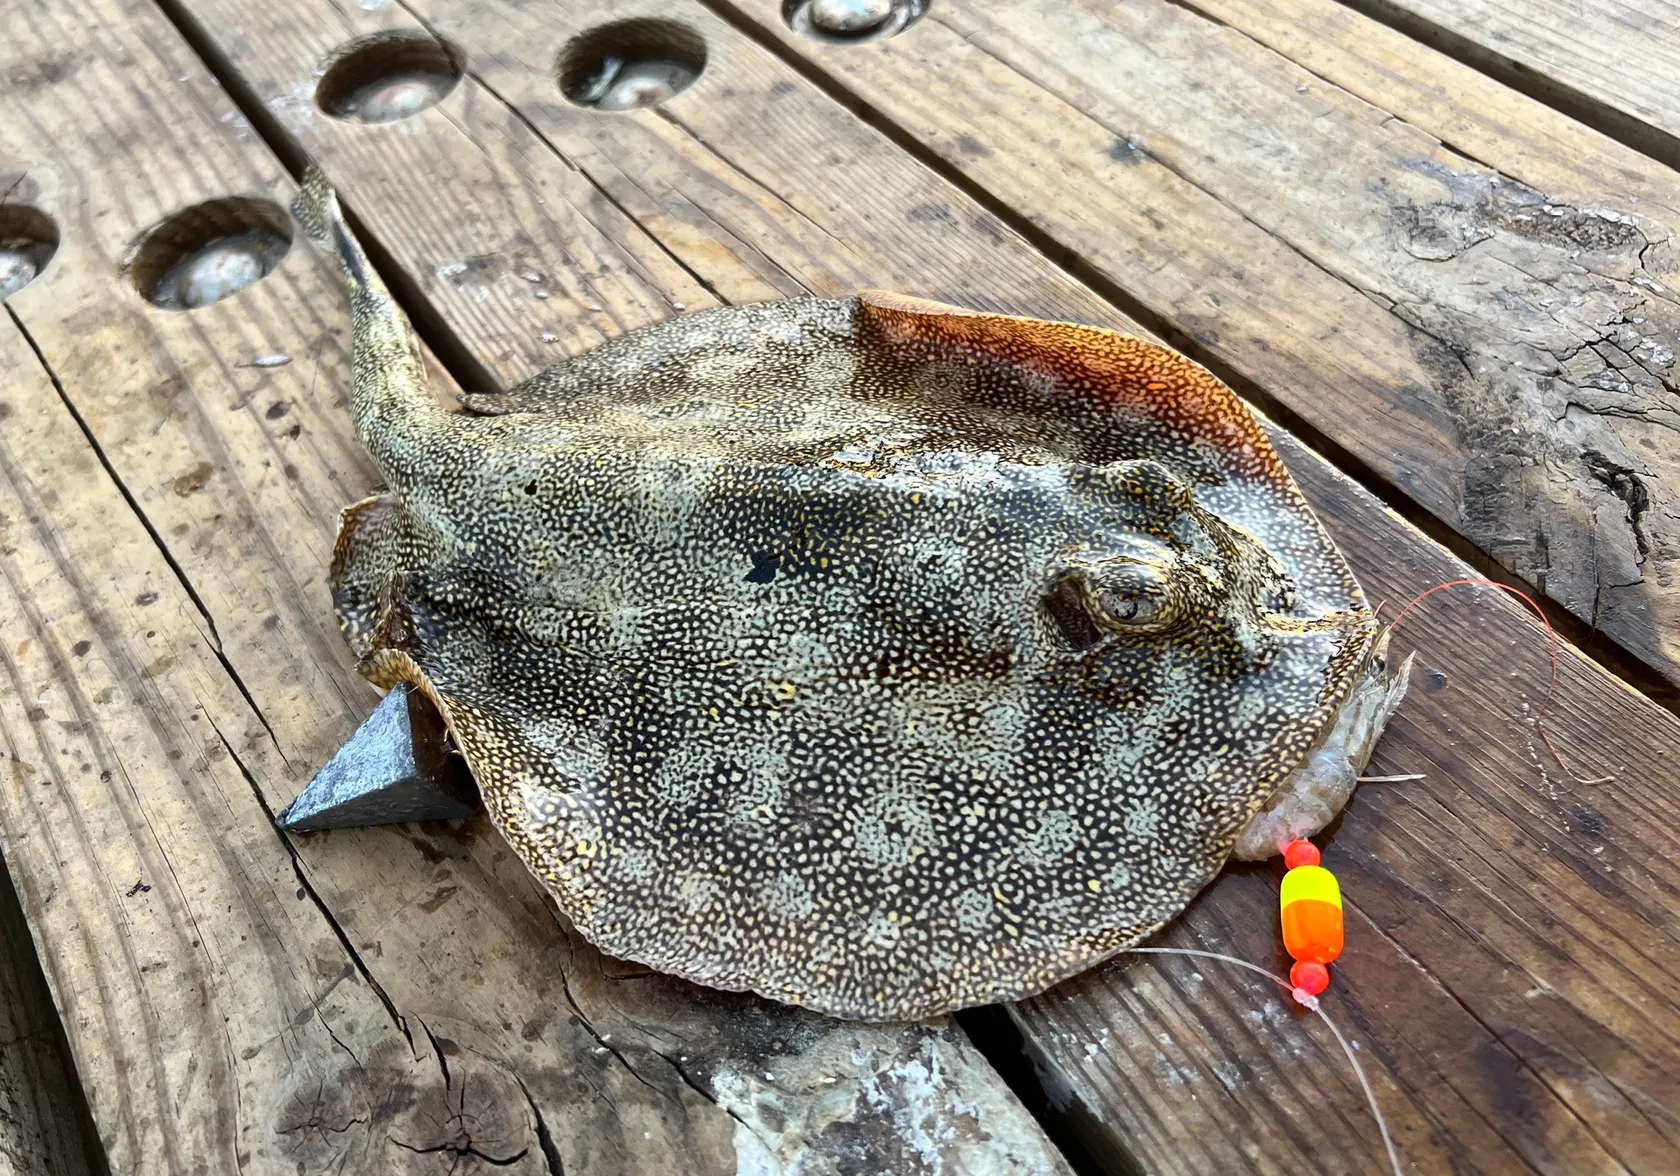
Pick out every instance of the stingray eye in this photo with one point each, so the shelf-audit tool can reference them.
(1133, 596)
(1128, 611)
(1134, 586)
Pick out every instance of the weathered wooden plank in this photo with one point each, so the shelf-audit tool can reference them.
(1612, 63)
(194, 977)
(390, 1000)
(750, 178)
(1501, 355)
(42, 1115)
(1477, 115)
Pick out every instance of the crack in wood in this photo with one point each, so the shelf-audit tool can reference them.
(212, 638)
(545, 1136)
(308, 888)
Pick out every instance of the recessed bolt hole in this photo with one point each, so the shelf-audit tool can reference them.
(847, 22)
(630, 64)
(389, 76)
(28, 239)
(209, 252)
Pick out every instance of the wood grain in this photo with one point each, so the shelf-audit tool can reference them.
(1612, 62)
(1510, 987)
(43, 1128)
(1501, 355)
(1479, 116)
(181, 948)
(393, 1000)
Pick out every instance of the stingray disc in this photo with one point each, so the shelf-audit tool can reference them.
(872, 655)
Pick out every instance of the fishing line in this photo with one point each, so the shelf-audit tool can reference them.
(1307, 998)
(1310, 1001)
(1556, 644)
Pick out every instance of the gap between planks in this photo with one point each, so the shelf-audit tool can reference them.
(1589, 109)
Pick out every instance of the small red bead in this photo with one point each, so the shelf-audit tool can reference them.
(1310, 977)
(1300, 853)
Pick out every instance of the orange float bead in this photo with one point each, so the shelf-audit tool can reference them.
(1311, 910)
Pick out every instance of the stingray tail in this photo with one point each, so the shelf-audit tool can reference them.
(322, 221)
(396, 417)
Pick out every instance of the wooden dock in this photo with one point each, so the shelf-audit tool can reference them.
(1433, 241)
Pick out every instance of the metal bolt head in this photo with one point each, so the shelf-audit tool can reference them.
(17, 270)
(388, 76)
(215, 272)
(840, 22)
(641, 83)
(848, 18)
(398, 97)
(631, 64)
(207, 252)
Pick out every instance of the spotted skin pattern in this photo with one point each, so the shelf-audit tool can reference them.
(871, 655)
